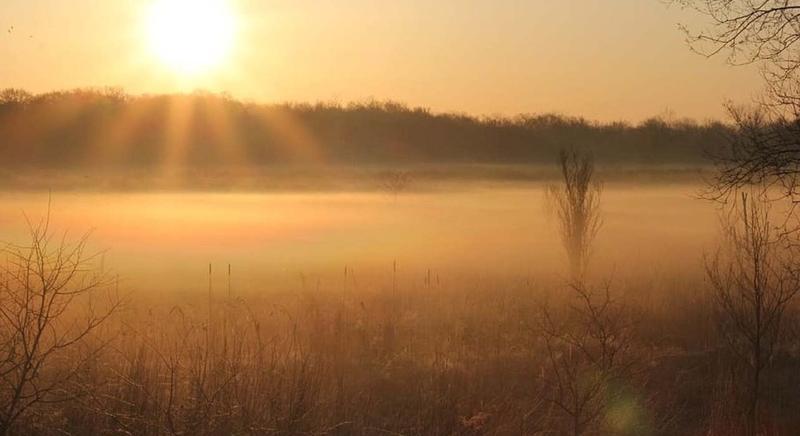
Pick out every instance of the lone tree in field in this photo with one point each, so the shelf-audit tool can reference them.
(577, 207)
(395, 183)
(52, 300)
(753, 285)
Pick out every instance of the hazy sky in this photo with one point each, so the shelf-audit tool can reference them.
(602, 59)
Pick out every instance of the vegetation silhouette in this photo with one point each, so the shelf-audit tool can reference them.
(576, 201)
(111, 129)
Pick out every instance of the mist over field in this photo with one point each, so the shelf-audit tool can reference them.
(298, 269)
(291, 268)
(501, 231)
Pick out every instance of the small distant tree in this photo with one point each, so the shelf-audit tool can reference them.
(753, 284)
(52, 300)
(577, 207)
(395, 183)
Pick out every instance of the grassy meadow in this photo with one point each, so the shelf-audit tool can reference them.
(442, 309)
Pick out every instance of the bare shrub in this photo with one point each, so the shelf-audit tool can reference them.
(590, 362)
(753, 283)
(52, 302)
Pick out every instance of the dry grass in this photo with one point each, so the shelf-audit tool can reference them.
(466, 358)
(635, 351)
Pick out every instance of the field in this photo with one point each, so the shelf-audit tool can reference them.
(443, 310)
(481, 227)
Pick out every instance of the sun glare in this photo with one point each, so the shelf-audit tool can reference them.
(191, 36)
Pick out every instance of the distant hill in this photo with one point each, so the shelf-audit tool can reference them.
(109, 129)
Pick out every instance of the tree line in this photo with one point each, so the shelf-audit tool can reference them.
(86, 127)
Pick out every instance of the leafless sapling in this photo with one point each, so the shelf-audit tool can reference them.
(753, 283)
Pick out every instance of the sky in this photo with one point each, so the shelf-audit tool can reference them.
(605, 60)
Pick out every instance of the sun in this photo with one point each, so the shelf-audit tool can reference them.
(191, 36)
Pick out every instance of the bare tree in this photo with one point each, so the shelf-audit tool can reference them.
(764, 150)
(52, 300)
(766, 146)
(753, 283)
(577, 206)
(765, 32)
(395, 182)
(753, 277)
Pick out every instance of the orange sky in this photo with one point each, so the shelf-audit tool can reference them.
(602, 59)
